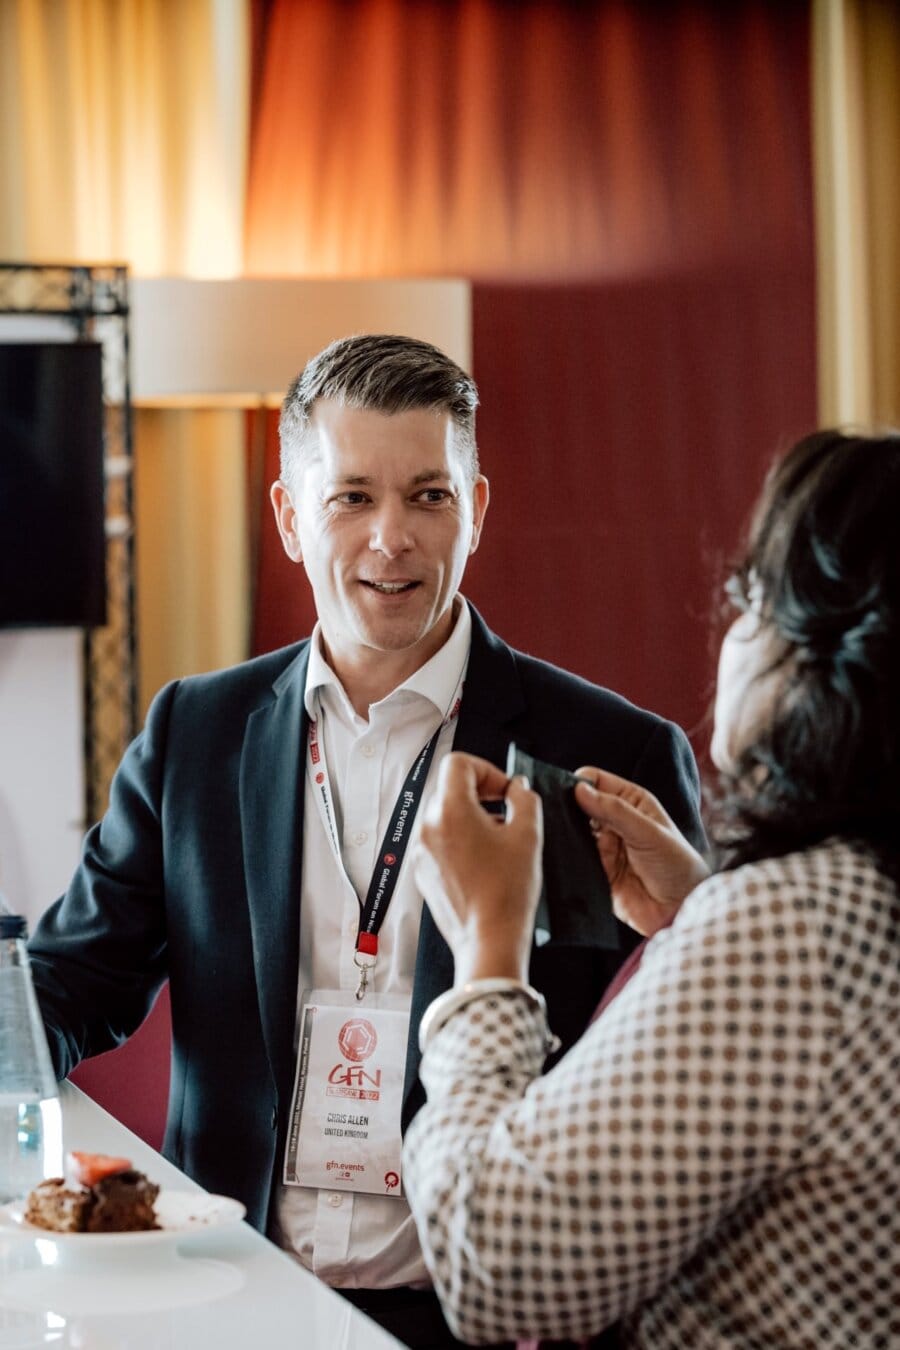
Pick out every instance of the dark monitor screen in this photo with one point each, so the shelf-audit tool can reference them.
(52, 545)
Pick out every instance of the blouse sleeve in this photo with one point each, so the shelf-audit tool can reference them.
(549, 1206)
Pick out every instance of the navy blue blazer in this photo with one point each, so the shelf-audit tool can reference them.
(194, 875)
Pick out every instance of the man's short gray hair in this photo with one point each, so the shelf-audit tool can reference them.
(384, 373)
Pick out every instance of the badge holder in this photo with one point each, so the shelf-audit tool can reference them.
(344, 1131)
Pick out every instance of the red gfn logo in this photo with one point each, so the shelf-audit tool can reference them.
(390, 859)
(357, 1039)
(320, 778)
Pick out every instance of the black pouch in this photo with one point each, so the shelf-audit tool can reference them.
(575, 907)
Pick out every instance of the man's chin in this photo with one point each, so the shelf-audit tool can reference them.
(403, 633)
(394, 641)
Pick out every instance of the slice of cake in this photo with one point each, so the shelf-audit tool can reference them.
(122, 1204)
(97, 1195)
(53, 1205)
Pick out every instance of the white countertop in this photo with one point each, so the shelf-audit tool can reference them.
(227, 1287)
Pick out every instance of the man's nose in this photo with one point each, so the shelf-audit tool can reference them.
(391, 532)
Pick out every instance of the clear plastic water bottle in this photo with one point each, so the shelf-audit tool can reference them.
(30, 1116)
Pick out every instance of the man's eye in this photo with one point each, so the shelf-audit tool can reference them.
(434, 496)
(350, 498)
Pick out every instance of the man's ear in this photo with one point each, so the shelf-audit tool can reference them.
(481, 495)
(286, 520)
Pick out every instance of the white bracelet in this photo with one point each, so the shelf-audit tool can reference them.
(445, 1005)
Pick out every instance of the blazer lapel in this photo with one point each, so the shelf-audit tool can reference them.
(492, 696)
(271, 797)
(492, 701)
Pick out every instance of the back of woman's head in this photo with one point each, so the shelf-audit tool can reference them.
(822, 570)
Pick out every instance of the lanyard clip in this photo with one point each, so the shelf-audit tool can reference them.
(363, 965)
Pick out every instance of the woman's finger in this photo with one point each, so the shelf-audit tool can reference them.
(472, 776)
(521, 802)
(610, 784)
(632, 822)
(612, 855)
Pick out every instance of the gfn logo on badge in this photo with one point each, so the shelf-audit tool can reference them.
(357, 1040)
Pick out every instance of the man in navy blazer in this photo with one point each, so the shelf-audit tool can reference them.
(200, 871)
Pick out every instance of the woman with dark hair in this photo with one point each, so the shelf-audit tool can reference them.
(717, 1161)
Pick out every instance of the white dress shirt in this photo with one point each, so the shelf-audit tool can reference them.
(364, 1241)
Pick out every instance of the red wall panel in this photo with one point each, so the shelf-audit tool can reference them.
(625, 429)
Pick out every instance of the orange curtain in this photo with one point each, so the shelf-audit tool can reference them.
(534, 139)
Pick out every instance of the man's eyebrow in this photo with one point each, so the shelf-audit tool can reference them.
(426, 476)
(430, 476)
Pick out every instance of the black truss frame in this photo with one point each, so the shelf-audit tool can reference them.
(95, 300)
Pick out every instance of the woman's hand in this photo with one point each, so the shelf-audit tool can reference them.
(649, 864)
(481, 876)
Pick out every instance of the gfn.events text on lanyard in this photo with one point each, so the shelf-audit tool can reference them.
(345, 1114)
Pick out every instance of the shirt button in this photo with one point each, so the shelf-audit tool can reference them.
(352, 927)
(368, 750)
(360, 837)
(335, 1200)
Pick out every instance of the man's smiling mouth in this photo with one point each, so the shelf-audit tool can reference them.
(391, 587)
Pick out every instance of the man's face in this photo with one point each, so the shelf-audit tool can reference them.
(383, 515)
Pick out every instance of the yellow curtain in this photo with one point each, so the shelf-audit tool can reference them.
(856, 65)
(191, 474)
(124, 129)
(124, 139)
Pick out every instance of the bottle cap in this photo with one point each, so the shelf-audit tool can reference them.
(12, 926)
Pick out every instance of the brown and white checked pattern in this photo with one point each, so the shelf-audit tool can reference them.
(718, 1157)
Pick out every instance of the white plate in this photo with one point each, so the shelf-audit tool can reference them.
(180, 1214)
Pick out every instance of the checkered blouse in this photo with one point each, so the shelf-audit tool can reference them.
(717, 1161)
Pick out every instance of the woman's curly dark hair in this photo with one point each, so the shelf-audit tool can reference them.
(822, 569)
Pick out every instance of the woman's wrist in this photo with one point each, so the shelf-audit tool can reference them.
(493, 955)
(438, 1013)
(488, 965)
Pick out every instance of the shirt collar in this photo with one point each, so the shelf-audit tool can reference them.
(436, 680)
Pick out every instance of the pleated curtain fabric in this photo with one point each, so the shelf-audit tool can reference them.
(538, 140)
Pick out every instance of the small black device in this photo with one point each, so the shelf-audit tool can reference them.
(575, 905)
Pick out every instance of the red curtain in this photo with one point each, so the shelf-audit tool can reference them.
(630, 187)
(626, 429)
(530, 139)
